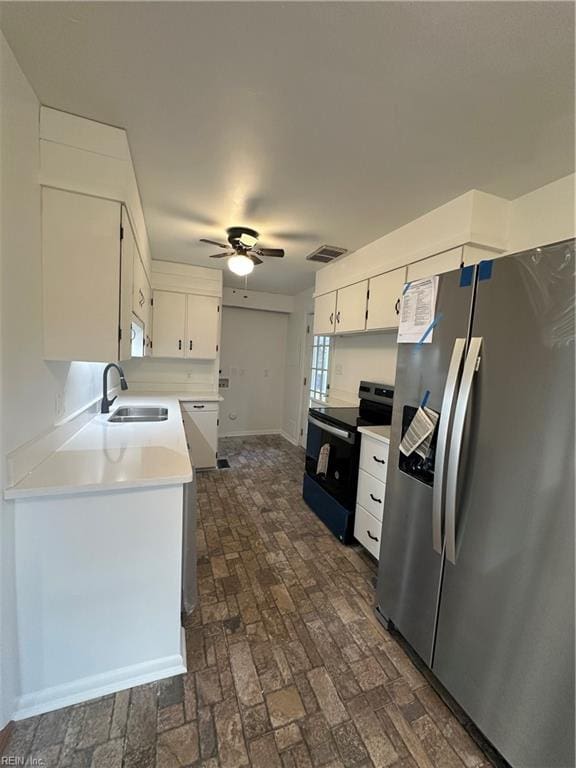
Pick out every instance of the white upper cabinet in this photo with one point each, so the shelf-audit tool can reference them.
(142, 299)
(385, 294)
(81, 263)
(435, 265)
(127, 251)
(325, 314)
(351, 308)
(169, 324)
(202, 327)
(186, 325)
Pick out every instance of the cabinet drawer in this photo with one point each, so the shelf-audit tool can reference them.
(199, 406)
(374, 457)
(367, 531)
(371, 494)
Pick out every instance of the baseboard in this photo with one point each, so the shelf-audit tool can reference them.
(5, 734)
(251, 433)
(93, 687)
(261, 432)
(290, 439)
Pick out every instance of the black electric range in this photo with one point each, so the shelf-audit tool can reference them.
(333, 455)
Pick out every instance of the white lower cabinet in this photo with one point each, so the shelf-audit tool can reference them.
(367, 530)
(201, 427)
(371, 493)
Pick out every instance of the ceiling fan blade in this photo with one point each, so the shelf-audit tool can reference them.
(213, 242)
(276, 252)
(220, 255)
(255, 259)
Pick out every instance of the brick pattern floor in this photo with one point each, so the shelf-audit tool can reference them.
(287, 666)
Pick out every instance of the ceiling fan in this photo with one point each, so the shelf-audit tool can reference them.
(243, 256)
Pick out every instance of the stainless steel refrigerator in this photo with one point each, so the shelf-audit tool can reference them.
(476, 565)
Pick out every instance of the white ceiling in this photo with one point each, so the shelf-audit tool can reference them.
(311, 122)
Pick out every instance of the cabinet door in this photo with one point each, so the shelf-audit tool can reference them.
(139, 306)
(351, 308)
(325, 314)
(80, 276)
(202, 435)
(202, 327)
(384, 300)
(169, 324)
(435, 265)
(148, 319)
(128, 250)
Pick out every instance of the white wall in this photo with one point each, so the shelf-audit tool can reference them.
(35, 394)
(368, 356)
(253, 355)
(162, 374)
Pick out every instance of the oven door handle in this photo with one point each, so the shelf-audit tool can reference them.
(348, 436)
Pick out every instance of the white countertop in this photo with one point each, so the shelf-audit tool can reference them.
(378, 433)
(105, 456)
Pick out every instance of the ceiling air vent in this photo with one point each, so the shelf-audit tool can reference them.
(326, 253)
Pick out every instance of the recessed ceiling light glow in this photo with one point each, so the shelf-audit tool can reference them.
(240, 265)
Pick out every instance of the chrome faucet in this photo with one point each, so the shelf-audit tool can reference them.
(106, 403)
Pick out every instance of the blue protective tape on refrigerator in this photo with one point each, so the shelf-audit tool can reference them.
(466, 275)
(428, 330)
(424, 402)
(485, 269)
(406, 286)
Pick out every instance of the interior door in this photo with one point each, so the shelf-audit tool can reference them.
(202, 324)
(351, 308)
(309, 343)
(410, 568)
(169, 323)
(384, 300)
(505, 641)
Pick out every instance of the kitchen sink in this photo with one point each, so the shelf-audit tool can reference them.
(131, 413)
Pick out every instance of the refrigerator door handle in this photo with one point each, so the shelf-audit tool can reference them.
(470, 368)
(442, 441)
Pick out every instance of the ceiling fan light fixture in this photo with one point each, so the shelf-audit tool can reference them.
(240, 265)
(248, 240)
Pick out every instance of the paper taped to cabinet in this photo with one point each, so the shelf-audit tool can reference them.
(417, 311)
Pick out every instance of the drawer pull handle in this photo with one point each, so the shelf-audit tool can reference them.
(380, 461)
(374, 538)
(375, 499)
(397, 307)
(198, 406)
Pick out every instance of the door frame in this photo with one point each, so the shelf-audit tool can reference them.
(305, 367)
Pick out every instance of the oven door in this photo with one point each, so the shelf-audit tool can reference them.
(338, 475)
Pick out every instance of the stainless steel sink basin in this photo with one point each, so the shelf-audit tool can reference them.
(131, 413)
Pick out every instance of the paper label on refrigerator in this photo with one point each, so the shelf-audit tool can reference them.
(417, 311)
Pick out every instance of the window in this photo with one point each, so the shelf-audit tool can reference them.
(320, 363)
